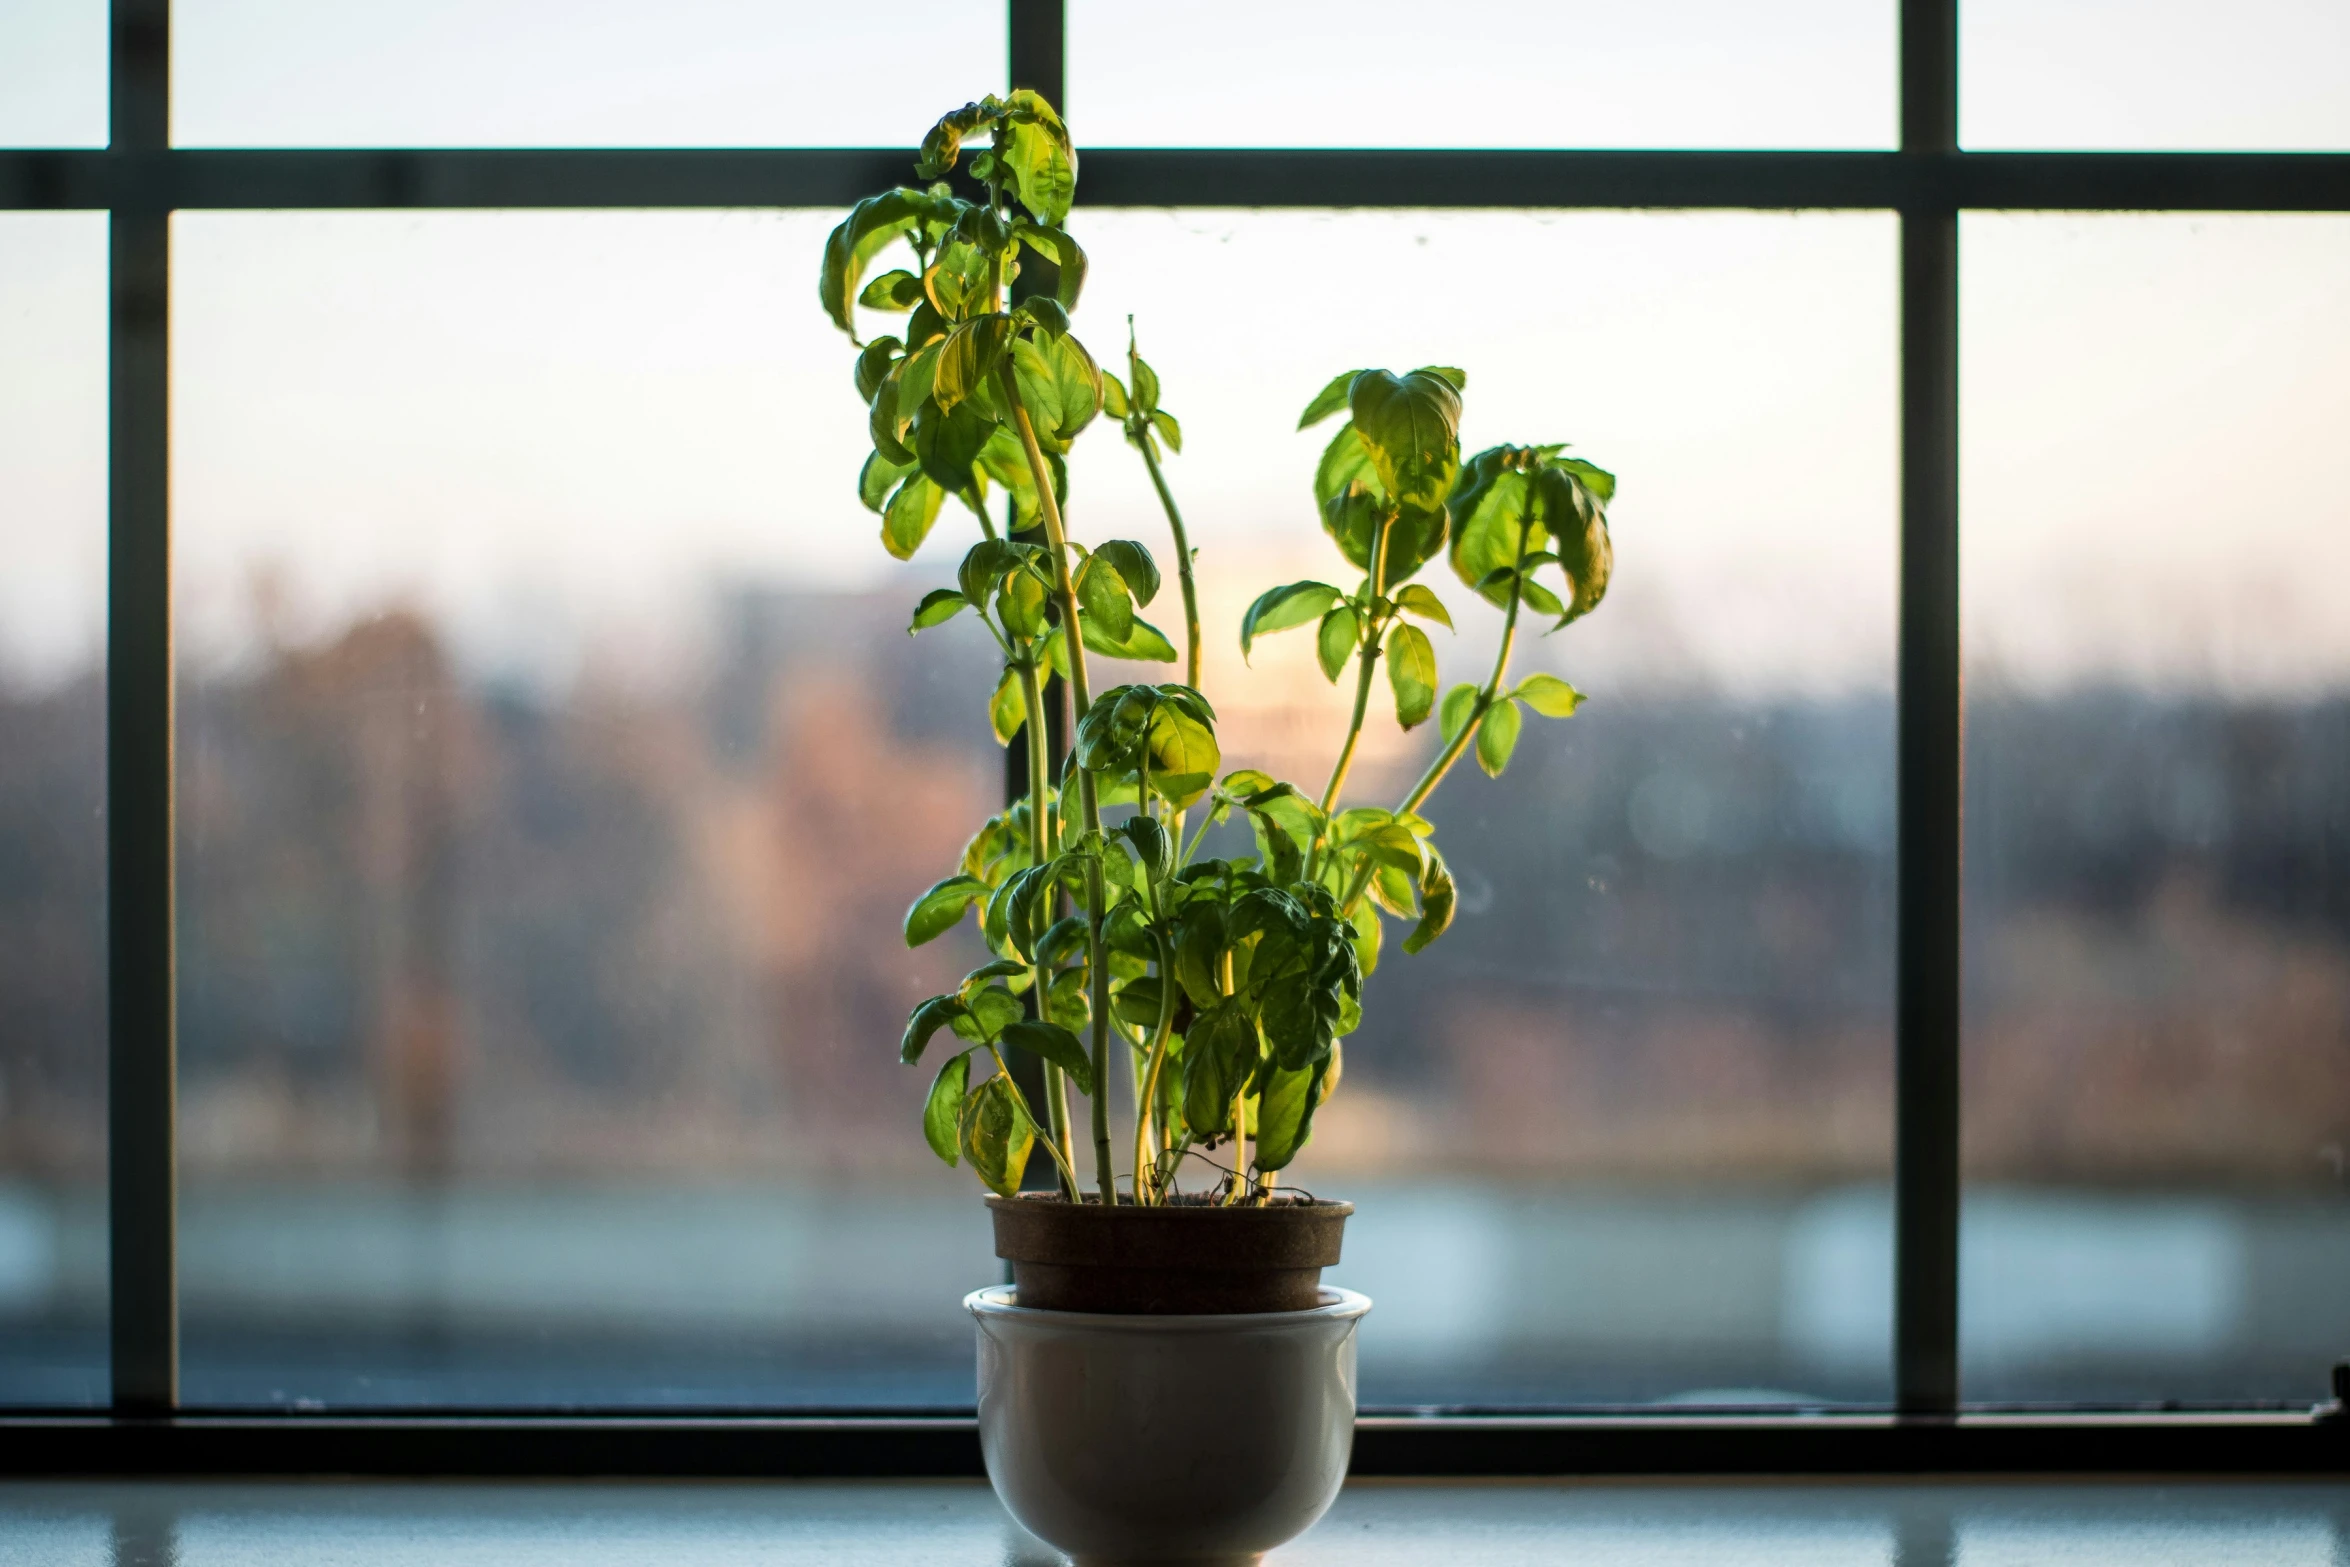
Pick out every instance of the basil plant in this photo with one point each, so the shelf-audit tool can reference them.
(1223, 985)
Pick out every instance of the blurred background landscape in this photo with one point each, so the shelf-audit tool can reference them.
(555, 770)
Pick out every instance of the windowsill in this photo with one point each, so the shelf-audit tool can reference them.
(2284, 1524)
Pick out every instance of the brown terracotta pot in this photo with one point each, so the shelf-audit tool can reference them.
(1190, 1259)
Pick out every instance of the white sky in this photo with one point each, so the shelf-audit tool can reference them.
(559, 430)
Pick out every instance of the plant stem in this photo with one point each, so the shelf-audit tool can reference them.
(1460, 742)
(1370, 665)
(1239, 1099)
(1183, 576)
(1147, 1099)
(1089, 807)
(1485, 700)
(1056, 1082)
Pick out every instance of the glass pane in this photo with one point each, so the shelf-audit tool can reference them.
(1622, 1134)
(2209, 75)
(558, 770)
(556, 73)
(52, 788)
(2158, 807)
(1484, 73)
(53, 73)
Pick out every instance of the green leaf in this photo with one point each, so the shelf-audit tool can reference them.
(1586, 554)
(1336, 639)
(1135, 565)
(1073, 265)
(1411, 426)
(997, 1134)
(1060, 386)
(976, 981)
(1154, 846)
(1497, 737)
(1418, 599)
(1389, 843)
(1068, 935)
(1145, 643)
(1600, 482)
(941, 908)
(1285, 1113)
(1045, 313)
(984, 565)
(928, 1019)
(1411, 672)
(1353, 521)
(1278, 609)
(1169, 431)
(1146, 380)
(1458, 378)
(1184, 757)
(948, 442)
(944, 142)
(1490, 515)
(885, 425)
(1136, 1003)
(1328, 400)
(1549, 695)
(1345, 463)
(968, 358)
(1414, 539)
(942, 1112)
(938, 606)
(988, 1012)
(1459, 703)
(1113, 396)
(1069, 1002)
(1004, 460)
(870, 225)
(1437, 900)
(1034, 145)
(894, 290)
(873, 366)
(958, 276)
(907, 520)
(1219, 1054)
(1539, 598)
(877, 478)
(1053, 1043)
(1020, 604)
(1103, 598)
(1007, 710)
(1369, 936)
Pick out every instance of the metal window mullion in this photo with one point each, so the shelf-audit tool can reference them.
(141, 991)
(1930, 732)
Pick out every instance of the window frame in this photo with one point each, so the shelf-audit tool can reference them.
(139, 179)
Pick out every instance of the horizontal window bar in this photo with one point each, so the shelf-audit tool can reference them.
(774, 1448)
(799, 177)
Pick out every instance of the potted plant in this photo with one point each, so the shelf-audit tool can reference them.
(1166, 1380)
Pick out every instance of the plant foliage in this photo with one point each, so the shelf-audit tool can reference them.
(1227, 985)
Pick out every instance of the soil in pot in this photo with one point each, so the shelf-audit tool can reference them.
(1190, 1257)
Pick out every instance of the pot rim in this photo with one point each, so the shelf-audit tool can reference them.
(1285, 1212)
(1338, 1305)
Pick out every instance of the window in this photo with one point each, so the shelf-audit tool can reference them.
(52, 839)
(2158, 1004)
(476, 479)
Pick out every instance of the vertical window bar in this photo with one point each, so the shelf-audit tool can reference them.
(141, 999)
(1925, 1160)
(1040, 49)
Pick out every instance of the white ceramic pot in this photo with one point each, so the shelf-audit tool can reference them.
(1203, 1439)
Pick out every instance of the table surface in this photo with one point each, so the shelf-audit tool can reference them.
(1591, 1524)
